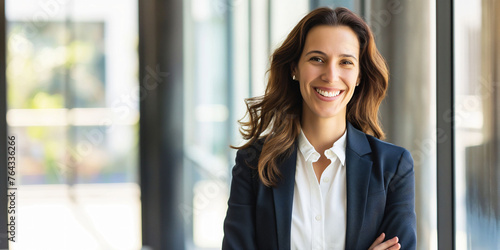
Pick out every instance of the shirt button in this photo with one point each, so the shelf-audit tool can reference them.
(318, 217)
(326, 179)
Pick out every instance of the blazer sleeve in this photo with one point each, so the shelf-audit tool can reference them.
(239, 225)
(400, 218)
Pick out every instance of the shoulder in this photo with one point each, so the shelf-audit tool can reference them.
(385, 147)
(247, 160)
(378, 150)
(250, 155)
(388, 152)
(364, 143)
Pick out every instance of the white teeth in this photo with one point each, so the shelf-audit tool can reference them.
(327, 94)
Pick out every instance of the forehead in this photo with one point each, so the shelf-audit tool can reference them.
(332, 40)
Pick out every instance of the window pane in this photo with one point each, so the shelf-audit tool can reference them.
(477, 102)
(207, 119)
(73, 105)
(228, 45)
(405, 35)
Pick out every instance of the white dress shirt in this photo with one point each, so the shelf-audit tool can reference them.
(319, 209)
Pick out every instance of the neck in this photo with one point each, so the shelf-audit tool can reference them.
(322, 133)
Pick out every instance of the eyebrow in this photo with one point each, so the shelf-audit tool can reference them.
(324, 54)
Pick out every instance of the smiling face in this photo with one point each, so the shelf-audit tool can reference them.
(327, 71)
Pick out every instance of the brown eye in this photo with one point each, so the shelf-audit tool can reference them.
(316, 59)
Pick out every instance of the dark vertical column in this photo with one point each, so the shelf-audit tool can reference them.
(445, 124)
(161, 123)
(4, 244)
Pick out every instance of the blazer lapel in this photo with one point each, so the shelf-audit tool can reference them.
(357, 178)
(283, 200)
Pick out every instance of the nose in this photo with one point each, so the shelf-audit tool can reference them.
(331, 73)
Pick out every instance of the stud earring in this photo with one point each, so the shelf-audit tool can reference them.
(293, 77)
(357, 84)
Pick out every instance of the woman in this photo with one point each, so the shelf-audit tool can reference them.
(314, 173)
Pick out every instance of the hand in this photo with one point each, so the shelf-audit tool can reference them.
(391, 244)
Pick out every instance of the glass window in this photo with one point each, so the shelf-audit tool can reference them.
(227, 49)
(405, 35)
(206, 118)
(477, 172)
(73, 105)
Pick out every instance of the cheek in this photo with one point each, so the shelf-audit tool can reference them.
(303, 88)
(351, 78)
(352, 75)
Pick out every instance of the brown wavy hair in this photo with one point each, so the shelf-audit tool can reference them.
(275, 116)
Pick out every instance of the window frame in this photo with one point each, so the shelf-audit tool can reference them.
(445, 127)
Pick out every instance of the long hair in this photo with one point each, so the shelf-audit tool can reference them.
(275, 117)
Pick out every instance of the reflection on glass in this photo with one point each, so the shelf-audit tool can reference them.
(227, 46)
(73, 107)
(476, 117)
(207, 117)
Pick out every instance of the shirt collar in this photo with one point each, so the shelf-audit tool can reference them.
(307, 149)
(338, 149)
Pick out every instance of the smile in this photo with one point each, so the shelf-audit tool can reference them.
(326, 93)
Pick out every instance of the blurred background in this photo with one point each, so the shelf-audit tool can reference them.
(124, 112)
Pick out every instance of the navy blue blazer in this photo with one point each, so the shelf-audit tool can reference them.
(380, 186)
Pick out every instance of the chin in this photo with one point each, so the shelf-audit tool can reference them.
(330, 114)
(327, 112)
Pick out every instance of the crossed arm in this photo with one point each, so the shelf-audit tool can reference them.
(399, 222)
